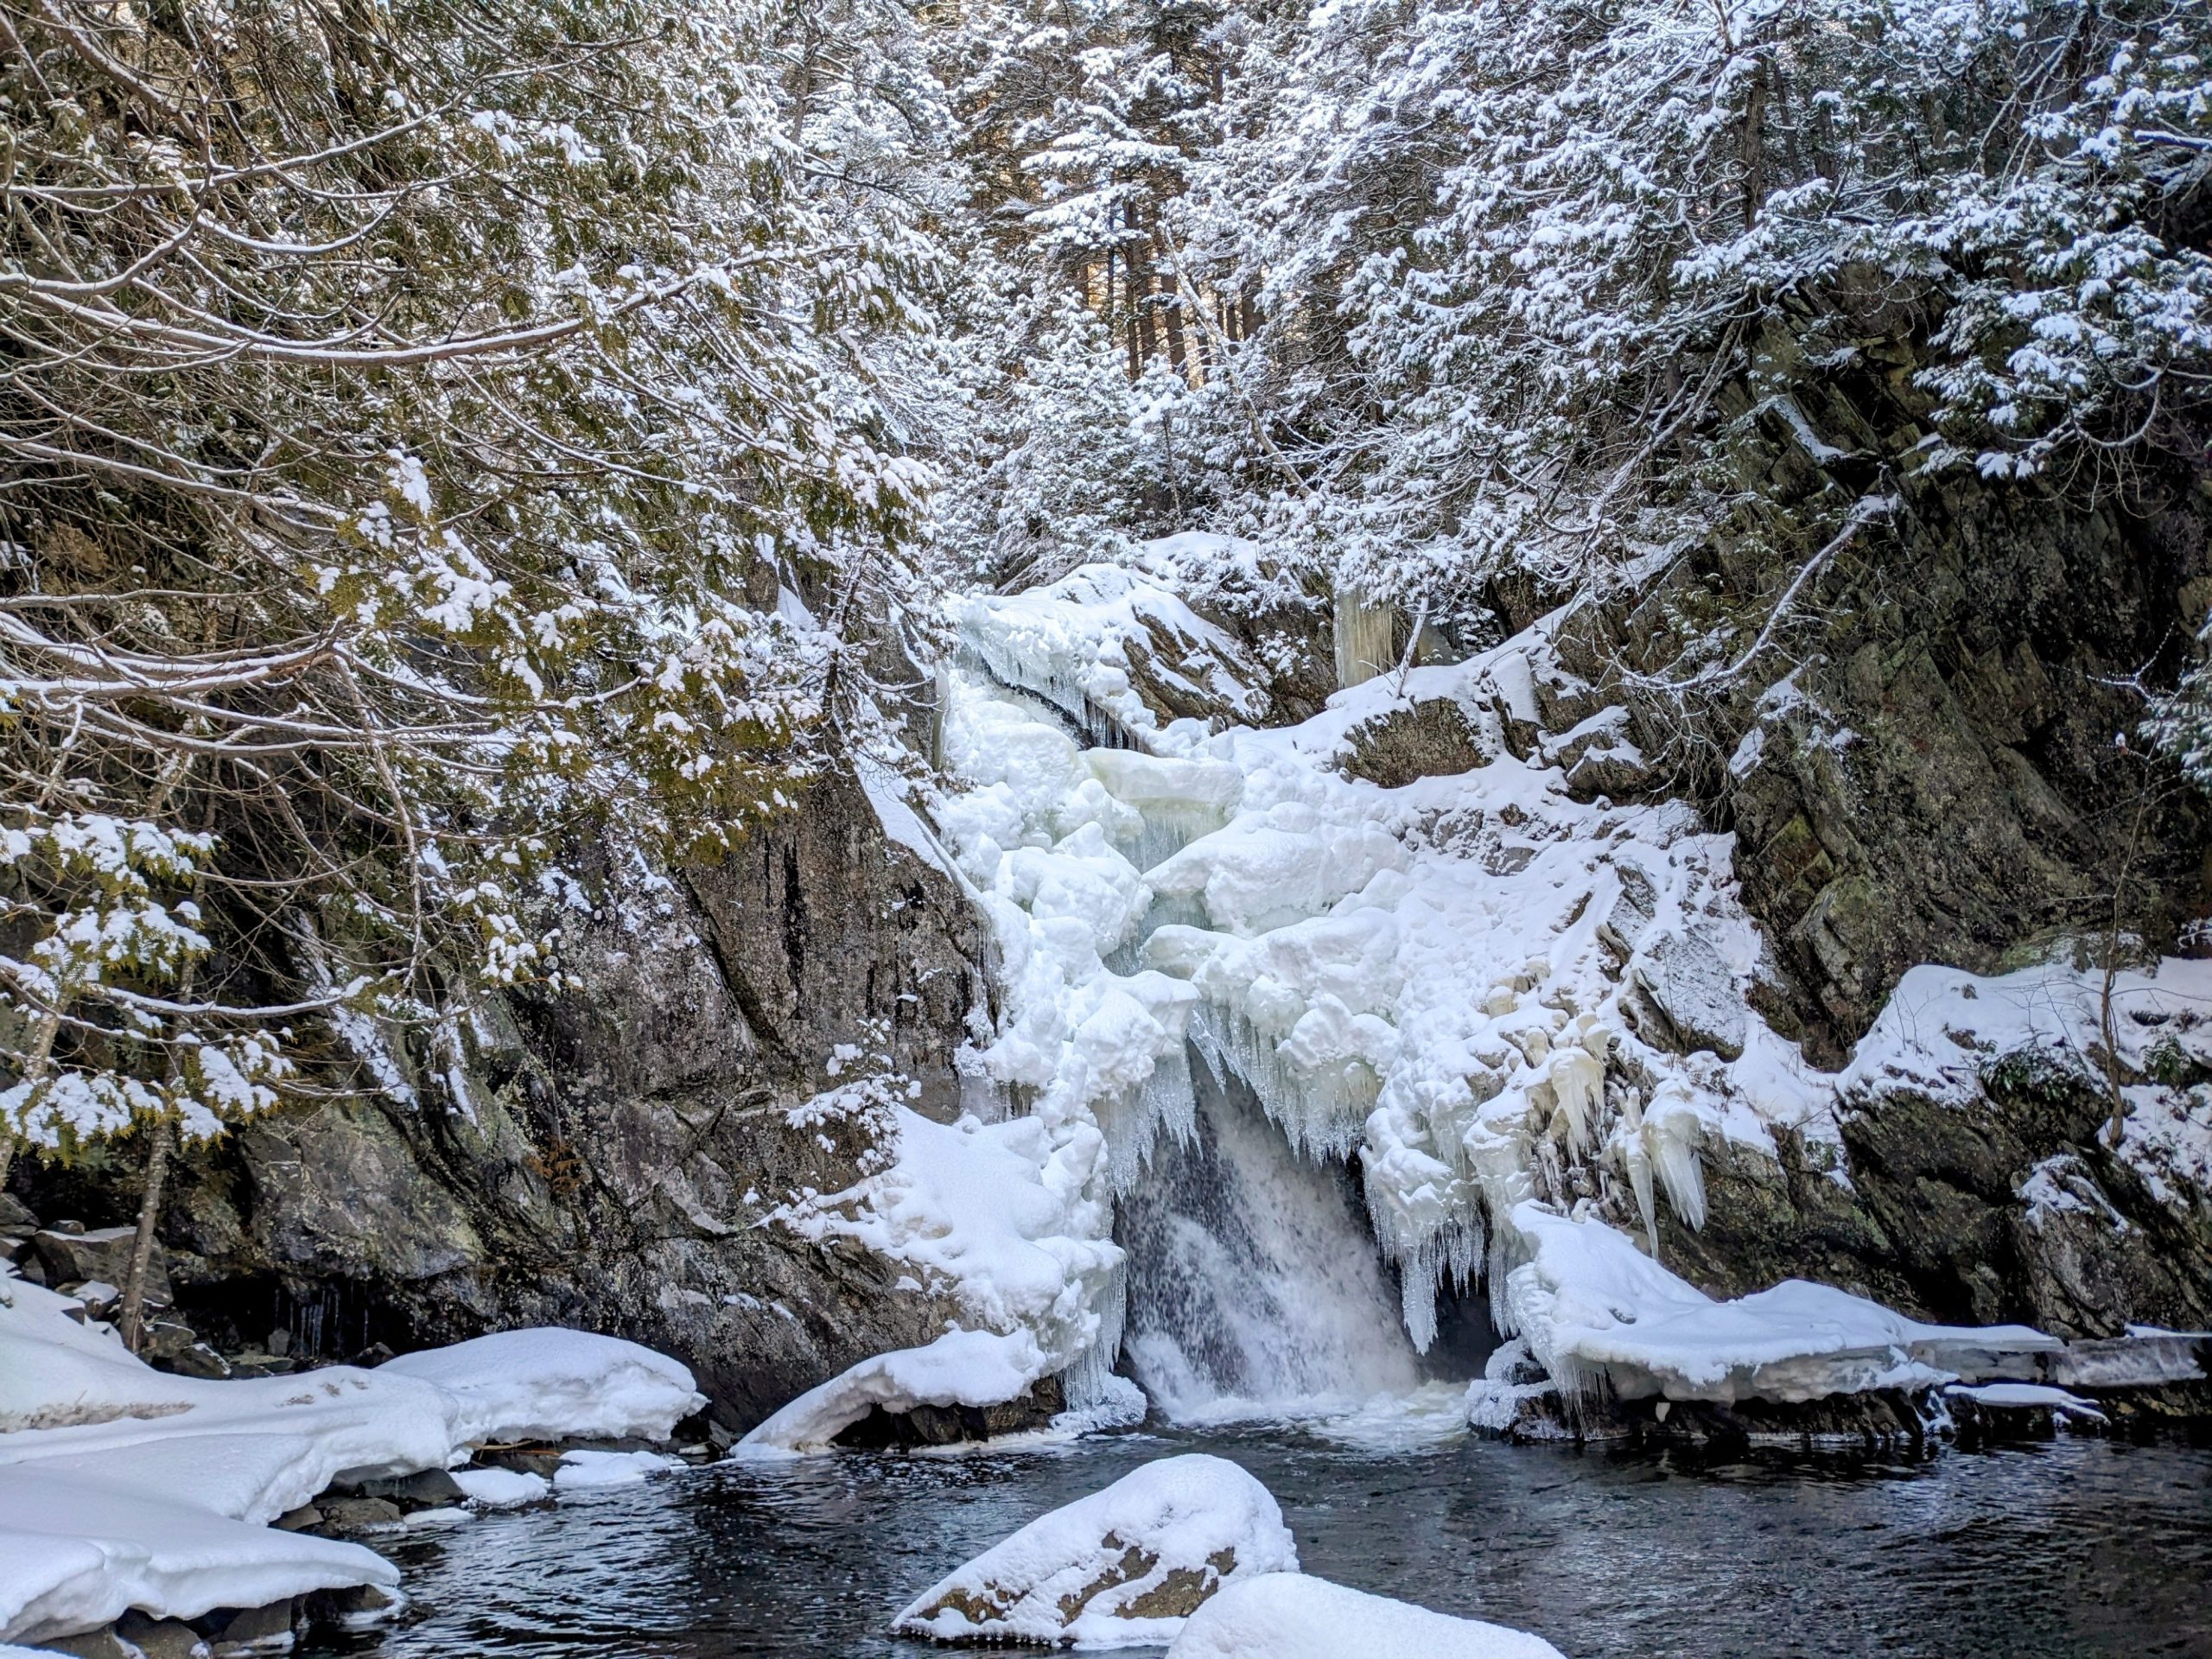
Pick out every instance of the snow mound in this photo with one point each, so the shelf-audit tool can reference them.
(518, 1385)
(581, 1470)
(1122, 1568)
(1290, 1616)
(961, 1368)
(1590, 1306)
(121, 1486)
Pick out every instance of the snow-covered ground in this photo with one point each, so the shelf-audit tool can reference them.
(123, 1487)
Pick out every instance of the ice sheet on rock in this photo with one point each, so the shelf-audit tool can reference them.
(1071, 642)
(2020, 1396)
(1590, 1305)
(501, 1489)
(1122, 1567)
(1292, 1616)
(581, 1470)
(961, 1368)
(543, 1383)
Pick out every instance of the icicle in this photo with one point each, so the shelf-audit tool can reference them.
(1366, 634)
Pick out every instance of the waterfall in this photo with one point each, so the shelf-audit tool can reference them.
(1252, 1284)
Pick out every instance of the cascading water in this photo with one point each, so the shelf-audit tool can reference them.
(1252, 1284)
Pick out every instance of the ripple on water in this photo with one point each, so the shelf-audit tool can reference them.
(2065, 1551)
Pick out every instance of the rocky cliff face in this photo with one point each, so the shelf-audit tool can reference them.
(607, 1155)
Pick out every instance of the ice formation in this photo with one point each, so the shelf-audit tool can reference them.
(122, 1486)
(1290, 1616)
(1503, 1004)
(1122, 1567)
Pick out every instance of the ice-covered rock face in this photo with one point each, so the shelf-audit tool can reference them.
(1123, 1568)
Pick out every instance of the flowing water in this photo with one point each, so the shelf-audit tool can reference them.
(2078, 1548)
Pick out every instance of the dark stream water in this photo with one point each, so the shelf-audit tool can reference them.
(2080, 1547)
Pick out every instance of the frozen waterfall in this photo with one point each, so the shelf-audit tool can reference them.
(1252, 1284)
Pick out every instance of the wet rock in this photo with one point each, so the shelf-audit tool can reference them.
(430, 1489)
(237, 1633)
(306, 1518)
(161, 1638)
(90, 1645)
(355, 1607)
(344, 1515)
(955, 1425)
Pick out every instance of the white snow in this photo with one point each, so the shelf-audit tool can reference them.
(582, 1469)
(121, 1486)
(1589, 1304)
(961, 1368)
(501, 1489)
(1080, 1574)
(536, 1384)
(2019, 1394)
(1290, 1616)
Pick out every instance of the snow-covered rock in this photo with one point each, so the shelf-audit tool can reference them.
(516, 1385)
(1290, 1616)
(1590, 1305)
(501, 1489)
(122, 1486)
(961, 1368)
(1122, 1568)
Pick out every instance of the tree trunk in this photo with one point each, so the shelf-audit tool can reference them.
(132, 1319)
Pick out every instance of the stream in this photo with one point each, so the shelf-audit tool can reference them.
(2076, 1547)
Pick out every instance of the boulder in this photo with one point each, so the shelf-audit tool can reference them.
(161, 1638)
(1124, 1565)
(103, 1254)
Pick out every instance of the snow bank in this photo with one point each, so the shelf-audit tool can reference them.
(1122, 1568)
(1590, 1306)
(961, 1368)
(519, 1385)
(1290, 1616)
(121, 1486)
(77, 1552)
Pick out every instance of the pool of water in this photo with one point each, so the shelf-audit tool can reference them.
(2078, 1548)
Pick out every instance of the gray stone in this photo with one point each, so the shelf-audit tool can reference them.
(161, 1638)
(104, 1255)
(430, 1489)
(1692, 986)
(15, 1218)
(90, 1645)
(359, 1514)
(251, 1630)
(306, 1518)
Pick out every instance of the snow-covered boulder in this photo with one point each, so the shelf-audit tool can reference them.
(1589, 1304)
(1290, 1616)
(961, 1368)
(1123, 1568)
(536, 1384)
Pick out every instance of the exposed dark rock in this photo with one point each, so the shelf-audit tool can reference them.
(955, 1425)
(355, 1514)
(1433, 738)
(234, 1632)
(161, 1638)
(102, 1255)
